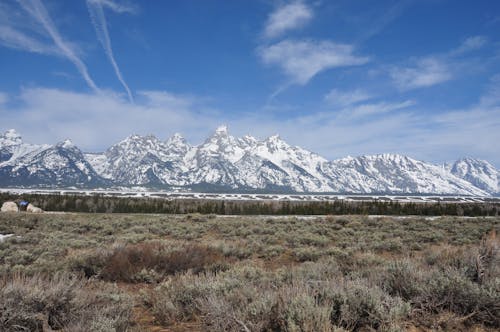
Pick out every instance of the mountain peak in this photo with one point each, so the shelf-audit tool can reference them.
(12, 133)
(10, 138)
(470, 160)
(67, 143)
(226, 161)
(177, 136)
(137, 137)
(275, 140)
(221, 130)
(249, 140)
(478, 172)
(176, 139)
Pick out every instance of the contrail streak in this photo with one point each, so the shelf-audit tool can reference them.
(99, 21)
(38, 11)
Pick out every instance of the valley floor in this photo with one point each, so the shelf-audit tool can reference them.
(133, 272)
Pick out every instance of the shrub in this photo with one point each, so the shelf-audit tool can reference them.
(452, 291)
(177, 298)
(444, 289)
(404, 279)
(296, 309)
(306, 254)
(356, 305)
(62, 302)
(125, 262)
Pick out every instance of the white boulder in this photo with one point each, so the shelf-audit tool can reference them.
(33, 209)
(10, 207)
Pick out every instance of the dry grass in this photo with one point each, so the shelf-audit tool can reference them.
(354, 273)
(63, 301)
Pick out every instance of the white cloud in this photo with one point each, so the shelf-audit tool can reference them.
(492, 95)
(166, 99)
(95, 121)
(346, 98)
(39, 13)
(377, 108)
(382, 18)
(424, 72)
(100, 25)
(470, 44)
(287, 17)
(301, 60)
(119, 8)
(12, 38)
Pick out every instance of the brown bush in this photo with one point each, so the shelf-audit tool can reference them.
(125, 262)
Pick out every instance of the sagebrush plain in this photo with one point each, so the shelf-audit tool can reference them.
(148, 272)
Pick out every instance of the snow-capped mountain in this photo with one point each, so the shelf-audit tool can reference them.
(59, 165)
(225, 162)
(273, 162)
(478, 172)
(395, 174)
(8, 143)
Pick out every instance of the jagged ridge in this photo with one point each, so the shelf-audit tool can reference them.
(225, 162)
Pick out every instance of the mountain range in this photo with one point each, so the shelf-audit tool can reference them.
(227, 163)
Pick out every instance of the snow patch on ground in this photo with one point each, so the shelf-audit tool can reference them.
(3, 237)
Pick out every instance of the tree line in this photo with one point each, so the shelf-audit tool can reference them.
(107, 204)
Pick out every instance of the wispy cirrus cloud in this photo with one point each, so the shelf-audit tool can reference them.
(492, 95)
(98, 19)
(365, 110)
(167, 99)
(424, 72)
(346, 98)
(120, 8)
(38, 12)
(427, 71)
(301, 60)
(384, 18)
(12, 38)
(470, 44)
(287, 17)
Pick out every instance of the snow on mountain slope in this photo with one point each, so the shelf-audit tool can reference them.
(223, 161)
(394, 173)
(10, 138)
(213, 162)
(142, 160)
(8, 143)
(60, 165)
(273, 162)
(478, 172)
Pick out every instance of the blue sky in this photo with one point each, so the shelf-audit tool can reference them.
(349, 77)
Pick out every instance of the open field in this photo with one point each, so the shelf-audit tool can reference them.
(133, 272)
